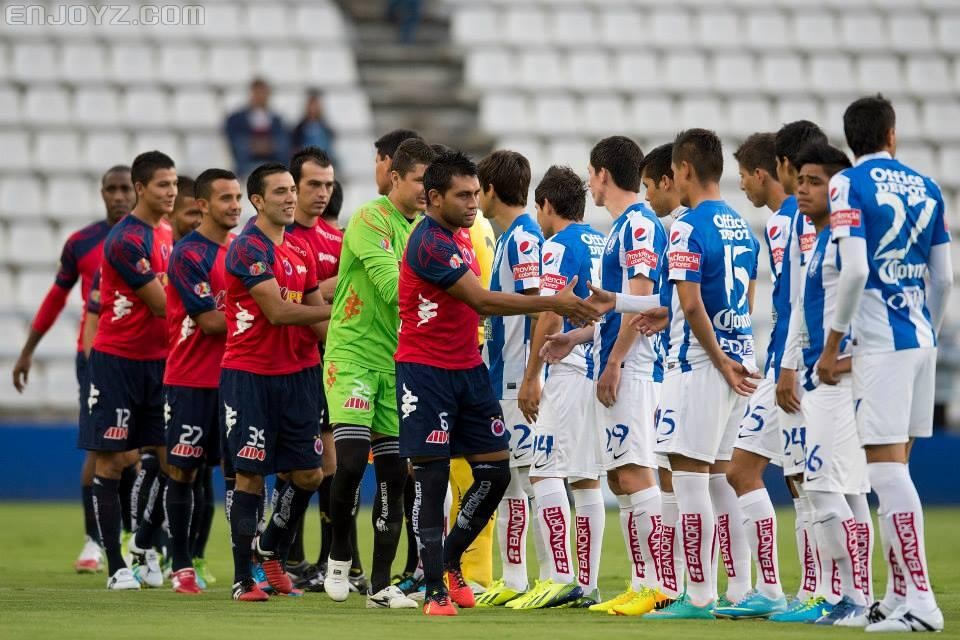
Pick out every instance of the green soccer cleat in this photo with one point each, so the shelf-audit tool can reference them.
(203, 571)
(526, 597)
(682, 609)
(753, 605)
(808, 611)
(498, 595)
(553, 594)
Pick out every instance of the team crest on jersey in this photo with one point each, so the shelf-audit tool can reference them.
(95, 296)
(257, 268)
(318, 445)
(456, 261)
(497, 427)
(165, 251)
(287, 267)
(385, 244)
(202, 289)
(143, 266)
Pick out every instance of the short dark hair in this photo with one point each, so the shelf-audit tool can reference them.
(439, 175)
(186, 187)
(758, 151)
(336, 201)
(148, 163)
(409, 154)
(204, 184)
(702, 150)
(387, 143)
(565, 190)
(117, 168)
(305, 155)
(256, 183)
(509, 173)
(866, 123)
(656, 164)
(794, 136)
(622, 157)
(439, 148)
(832, 160)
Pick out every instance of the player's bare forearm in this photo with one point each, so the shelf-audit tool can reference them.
(281, 312)
(696, 316)
(33, 340)
(548, 322)
(627, 335)
(320, 329)
(832, 343)
(212, 323)
(154, 297)
(21, 369)
(328, 287)
(89, 332)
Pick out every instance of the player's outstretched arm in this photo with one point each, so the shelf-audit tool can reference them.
(736, 375)
(495, 303)
(281, 312)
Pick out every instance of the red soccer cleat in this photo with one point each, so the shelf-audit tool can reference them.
(460, 591)
(247, 591)
(438, 604)
(185, 581)
(277, 576)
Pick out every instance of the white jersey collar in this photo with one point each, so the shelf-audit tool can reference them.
(879, 155)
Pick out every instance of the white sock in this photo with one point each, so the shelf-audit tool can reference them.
(648, 517)
(761, 527)
(591, 518)
(512, 519)
(539, 546)
(895, 593)
(671, 548)
(898, 497)
(696, 531)
(837, 536)
(813, 583)
(800, 534)
(731, 537)
(628, 530)
(555, 527)
(861, 513)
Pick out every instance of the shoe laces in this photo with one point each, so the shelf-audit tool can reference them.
(812, 603)
(456, 579)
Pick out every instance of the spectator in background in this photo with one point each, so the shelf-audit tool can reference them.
(313, 130)
(406, 13)
(257, 134)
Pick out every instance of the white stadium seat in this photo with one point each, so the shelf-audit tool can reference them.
(183, 63)
(734, 73)
(749, 115)
(32, 285)
(621, 25)
(555, 114)
(523, 26)
(267, 21)
(864, 31)
(830, 73)
(96, 106)
(919, 157)
(685, 71)
(504, 113)
(909, 124)
(348, 110)
(637, 70)
(941, 120)
(146, 107)
(71, 198)
(590, 69)
(702, 112)
(60, 388)
(832, 123)
(102, 150)
(929, 76)
(282, 64)
(14, 331)
(781, 71)
(490, 68)
(718, 29)
(9, 105)
(130, 61)
(230, 61)
(203, 151)
(948, 32)
(20, 196)
(911, 32)
(319, 22)
(16, 150)
(331, 67)
(796, 108)
(604, 115)
(196, 109)
(814, 31)
(81, 63)
(355, 155)
(529, 148)
(882, 73)
(652, 116)
(56, 151)
(668, 27)
(32, 243)
(46, 105)
(766, 30)
(473, 26)
(570, 152)
(223, 21)
(572, 26)
(163, 141)
(948, 177)
(34, 61)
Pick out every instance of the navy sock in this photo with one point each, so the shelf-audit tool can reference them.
(353, 448)
(490, 482)
(387, 512)
(106, 506)
(204, 513)
(291, 505)
(326, 531)
(430, 484)
(413, 558)
(152, 519)
(142, 484)
(178, 503)
(127, 479)
(243, 528)
(89, 516)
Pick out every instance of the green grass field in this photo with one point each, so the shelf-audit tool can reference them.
(41, 597)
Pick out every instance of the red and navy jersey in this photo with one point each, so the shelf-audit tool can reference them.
(197, 284)
(253, 344)
(79, 260)
(134, 253)
(436, 329)
(325, 242)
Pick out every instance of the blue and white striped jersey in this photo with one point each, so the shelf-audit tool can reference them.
(819, 305)
(636, 246)
(900, 214)
(516, 268)
(713, 246)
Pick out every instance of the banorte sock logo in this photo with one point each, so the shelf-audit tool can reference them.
(667, 566)
(557, 526)
(765, 542)
(516, 523)
(633, 540)
(850, 536)
(692, 529)
(905, 526)
(726, 548)
(583, 550)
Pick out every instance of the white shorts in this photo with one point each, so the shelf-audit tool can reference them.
(627, 431)
(732, 427)
(759, 431)
(793, 433)
(894, 395)
(521, 434)
(565, 439)
(695, 411)
(835, 460)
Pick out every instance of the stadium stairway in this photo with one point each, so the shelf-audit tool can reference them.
(419, 85)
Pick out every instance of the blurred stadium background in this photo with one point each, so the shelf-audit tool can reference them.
(544, 77)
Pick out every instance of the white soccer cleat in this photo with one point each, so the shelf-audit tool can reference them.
(90, 559)
(874, 613)
(123, 580)
(390, 598)
(903, 619)
(147, 569)
(336, 582)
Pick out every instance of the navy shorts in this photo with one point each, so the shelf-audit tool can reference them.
(83, 380)
(448, 413)
(325, 426)
(192, 422)
(124, 404)
(271, 423)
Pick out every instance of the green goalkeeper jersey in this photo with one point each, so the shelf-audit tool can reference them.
(365, 317)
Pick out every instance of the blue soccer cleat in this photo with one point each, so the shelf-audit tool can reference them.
(753, 605)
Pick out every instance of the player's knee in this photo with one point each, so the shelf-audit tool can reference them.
(109, 464)
(181, 475)
(496, 473)
(307, 479)
(352, 455)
